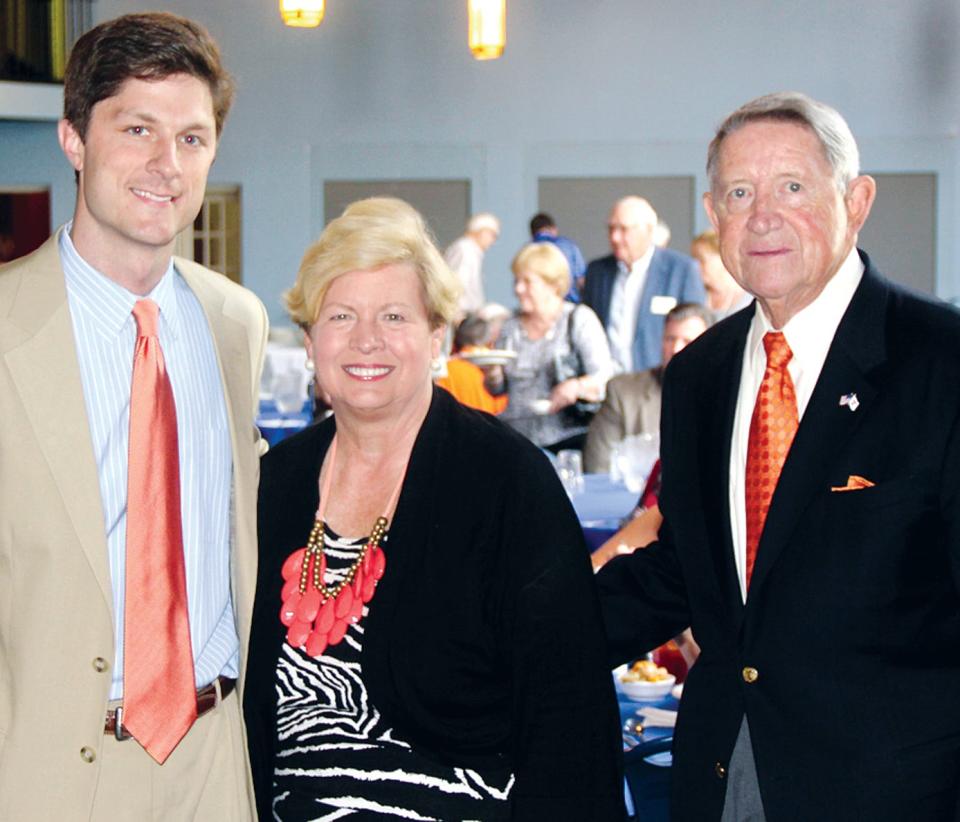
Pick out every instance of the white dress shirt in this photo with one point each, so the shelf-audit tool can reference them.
(809, 334)
(625, 307)
(465, 258)
(105, 334)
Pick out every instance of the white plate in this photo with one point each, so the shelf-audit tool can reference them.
(640, 691)
(495, 356)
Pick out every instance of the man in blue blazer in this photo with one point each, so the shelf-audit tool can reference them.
(632, 289)
(828, 680)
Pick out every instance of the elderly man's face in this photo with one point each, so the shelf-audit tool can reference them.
(630, 233)
(784, 226)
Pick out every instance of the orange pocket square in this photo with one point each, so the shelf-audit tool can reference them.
(854, 483)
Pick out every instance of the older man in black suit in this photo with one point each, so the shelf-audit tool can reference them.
(811, 495)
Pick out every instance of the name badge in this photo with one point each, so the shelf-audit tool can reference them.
(661, 304)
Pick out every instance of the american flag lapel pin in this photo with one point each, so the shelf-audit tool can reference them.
(851, 401)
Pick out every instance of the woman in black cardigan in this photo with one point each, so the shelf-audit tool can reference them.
(469, 681)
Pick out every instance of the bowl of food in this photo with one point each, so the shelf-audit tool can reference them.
(643, 679)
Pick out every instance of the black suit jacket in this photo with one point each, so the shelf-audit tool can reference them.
(853, 616)
(483, 645)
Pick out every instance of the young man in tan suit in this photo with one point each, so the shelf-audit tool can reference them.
(145, 97)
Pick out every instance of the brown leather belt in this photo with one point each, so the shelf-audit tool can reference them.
(206, 699)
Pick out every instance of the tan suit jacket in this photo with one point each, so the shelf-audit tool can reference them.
(56, 621)
(632, 407)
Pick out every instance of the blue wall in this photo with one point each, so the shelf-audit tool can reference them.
(610, 87)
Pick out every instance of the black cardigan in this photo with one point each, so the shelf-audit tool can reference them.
(484, 638)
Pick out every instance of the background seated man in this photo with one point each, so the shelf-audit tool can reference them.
(464, 379)
(632, 405)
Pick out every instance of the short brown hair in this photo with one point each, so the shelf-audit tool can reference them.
(148, 46)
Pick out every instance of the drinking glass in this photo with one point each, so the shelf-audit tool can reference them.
(570, 470)
(616, 475)
(288, 391)
(636, 456)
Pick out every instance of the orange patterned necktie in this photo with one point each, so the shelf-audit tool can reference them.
(772, 428)
(159, 695)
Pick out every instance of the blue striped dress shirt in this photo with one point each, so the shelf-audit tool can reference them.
(105, 334)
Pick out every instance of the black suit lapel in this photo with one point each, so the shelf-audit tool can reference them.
(703, 449)
(858, 347)
(717, 412)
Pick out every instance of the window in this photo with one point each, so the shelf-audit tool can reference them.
(215, 238)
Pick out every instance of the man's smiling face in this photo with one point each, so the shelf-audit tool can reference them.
(142, 165)
(784, 225)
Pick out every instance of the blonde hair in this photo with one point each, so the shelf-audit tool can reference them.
(709, 239)
(370, 234)
(547, 262)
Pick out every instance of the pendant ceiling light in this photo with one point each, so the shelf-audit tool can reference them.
(488, 28)
(302, 13)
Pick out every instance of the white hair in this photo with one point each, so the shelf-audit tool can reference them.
(639, 208)
(827, 124)
(483, 220)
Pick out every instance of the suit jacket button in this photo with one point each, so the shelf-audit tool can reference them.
(720, 771)
(750, 675)
(100, 665)
(88, 754)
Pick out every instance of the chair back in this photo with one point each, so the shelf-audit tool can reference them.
(649, 783)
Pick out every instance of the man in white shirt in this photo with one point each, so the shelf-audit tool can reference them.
(465, 256)
(632, 403)
(119, 701)
(632, 289)
(811, 503)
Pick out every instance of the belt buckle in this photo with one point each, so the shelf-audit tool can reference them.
(118, 725)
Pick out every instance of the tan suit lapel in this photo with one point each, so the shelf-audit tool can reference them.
(38, 346)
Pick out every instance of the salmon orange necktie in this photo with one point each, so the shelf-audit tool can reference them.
(159, 695)
(772, 429)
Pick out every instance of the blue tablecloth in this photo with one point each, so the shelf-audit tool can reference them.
(601, 506)
(276, 426)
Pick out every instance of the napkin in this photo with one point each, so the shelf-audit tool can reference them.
(657, 717)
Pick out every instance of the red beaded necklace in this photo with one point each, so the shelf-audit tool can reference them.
(317, 616)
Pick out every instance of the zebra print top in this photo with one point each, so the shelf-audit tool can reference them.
(336, 758)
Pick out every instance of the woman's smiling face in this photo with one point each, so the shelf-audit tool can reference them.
(372, 343)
